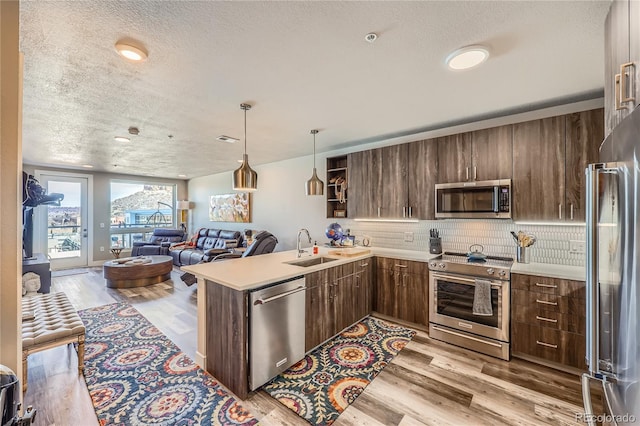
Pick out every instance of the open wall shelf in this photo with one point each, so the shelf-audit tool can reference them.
(336, 172)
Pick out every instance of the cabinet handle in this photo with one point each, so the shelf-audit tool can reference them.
(378, 211)
(404, 211)
(475, 173)
(467, 170)
(571, 211)
(617, 92)
(546, 319)
(404, 280)
(626, 77)
(559, 211)
(548, 345)
(544, 302)
(410, 215)
(397, 265)
(364, 265)
(546, 285)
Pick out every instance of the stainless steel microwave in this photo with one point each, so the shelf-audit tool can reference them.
(488, 199)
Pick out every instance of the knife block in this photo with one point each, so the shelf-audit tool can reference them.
(435, 245)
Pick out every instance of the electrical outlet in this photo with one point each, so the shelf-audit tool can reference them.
(101, 225)
(101, 248)
(577, 246)
(408, 237)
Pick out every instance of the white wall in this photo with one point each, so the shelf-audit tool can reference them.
(279, 205)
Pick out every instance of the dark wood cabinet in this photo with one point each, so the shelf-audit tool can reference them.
(548, 319)
(454, 158)
(538, 185)
(622, 47)
(401, 290)
(319, 323)
(365, 180)
(480, 155)
(336, 298)
(585, 132)
(422, 175)
(549, 159)
(393, 182)
(492, 153)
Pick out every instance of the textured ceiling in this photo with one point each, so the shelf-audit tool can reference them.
(302, 65)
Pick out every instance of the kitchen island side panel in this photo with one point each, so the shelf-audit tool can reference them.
(227, 337)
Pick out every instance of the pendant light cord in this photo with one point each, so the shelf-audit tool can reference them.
(314, 150)
(245, 132)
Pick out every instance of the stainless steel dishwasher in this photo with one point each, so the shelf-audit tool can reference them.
(277, 329)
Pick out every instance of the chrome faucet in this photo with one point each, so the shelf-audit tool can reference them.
(300, 251)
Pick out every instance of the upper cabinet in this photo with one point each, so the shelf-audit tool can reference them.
(622, 61)
(584, 134)
(549, 161)
(476, 156)
(422, 176)
(538, 169)
(393, 182)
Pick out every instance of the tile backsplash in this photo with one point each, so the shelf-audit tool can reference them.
(552, 245)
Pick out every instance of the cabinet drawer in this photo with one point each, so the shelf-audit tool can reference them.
(543, 317)
(549, 285)
(550, 302)
(408, 266)
(549, 344)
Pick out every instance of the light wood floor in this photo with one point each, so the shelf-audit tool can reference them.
(428, 383)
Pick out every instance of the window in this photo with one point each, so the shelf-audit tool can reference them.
(137, 208)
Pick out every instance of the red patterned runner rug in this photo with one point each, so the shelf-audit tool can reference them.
(137, 376)
(321, 386)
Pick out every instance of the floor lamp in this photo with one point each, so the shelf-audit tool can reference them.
(183, 207)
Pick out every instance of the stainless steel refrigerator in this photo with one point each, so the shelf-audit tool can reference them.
(613, 274)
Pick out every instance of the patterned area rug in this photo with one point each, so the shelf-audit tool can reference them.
(136, 376)
(326, 381)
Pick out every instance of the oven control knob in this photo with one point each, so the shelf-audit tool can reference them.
(490, 271)
(502, 273)
(441, 265)
(432, 264)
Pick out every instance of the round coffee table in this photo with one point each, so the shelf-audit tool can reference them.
(122, 275)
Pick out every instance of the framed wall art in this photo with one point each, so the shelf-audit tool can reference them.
(234, 207)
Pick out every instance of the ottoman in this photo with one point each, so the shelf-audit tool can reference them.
(50, 320)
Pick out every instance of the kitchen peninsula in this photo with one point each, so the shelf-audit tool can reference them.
(224, 290)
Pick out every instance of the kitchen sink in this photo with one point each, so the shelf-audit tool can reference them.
(311, 261)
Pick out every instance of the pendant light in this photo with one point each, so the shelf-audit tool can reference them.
(314, 185)
(245, 178)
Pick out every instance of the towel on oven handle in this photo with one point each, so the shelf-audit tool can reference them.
(482, 298)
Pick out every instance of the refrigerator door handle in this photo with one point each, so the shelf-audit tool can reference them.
(592, 203)
(586, 400)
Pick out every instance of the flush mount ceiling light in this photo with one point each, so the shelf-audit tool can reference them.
(227, 139)
(467, 57)
(314, 185)
(134, 131)
(121, 139)
(132, 53)
(371, 37)
(245, 178)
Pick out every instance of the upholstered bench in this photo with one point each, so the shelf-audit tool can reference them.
(50, 320)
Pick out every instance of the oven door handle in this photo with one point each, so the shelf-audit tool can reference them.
(466, 280)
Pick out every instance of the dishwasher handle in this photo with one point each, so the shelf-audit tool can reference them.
(279, 296)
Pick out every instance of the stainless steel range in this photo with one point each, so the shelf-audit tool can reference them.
(452, 288)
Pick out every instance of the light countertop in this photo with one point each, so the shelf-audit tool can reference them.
(577, 273)
(254, 272)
